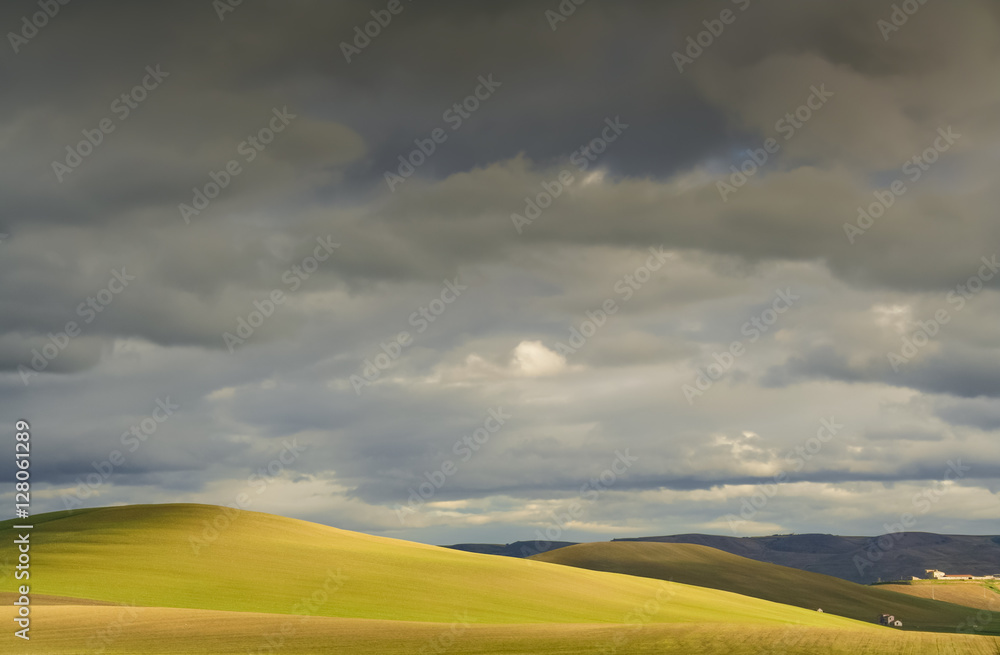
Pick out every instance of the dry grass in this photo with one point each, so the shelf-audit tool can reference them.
(971, 594)
(75, 630)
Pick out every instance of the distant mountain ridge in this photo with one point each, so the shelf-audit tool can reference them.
(858, 559)
(517, 549)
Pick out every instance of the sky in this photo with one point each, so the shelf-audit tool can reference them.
(486, 272)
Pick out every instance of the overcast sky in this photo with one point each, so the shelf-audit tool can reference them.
(666, 258)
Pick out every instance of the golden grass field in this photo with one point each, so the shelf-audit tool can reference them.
(75, 630)
(127, 580)
(978, 594)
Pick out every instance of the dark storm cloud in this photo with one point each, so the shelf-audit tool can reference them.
(960, 372)
(654, 186)
(980, 413)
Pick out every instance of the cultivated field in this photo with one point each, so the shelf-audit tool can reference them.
(708, 567)
(67, 630)
(976, 593)
(267, 584)
(262, 563)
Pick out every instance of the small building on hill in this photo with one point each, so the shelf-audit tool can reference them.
(934, 574)
(889, 620)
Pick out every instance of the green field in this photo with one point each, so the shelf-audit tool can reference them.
(708, 567)
(142, 554)
(268, 582)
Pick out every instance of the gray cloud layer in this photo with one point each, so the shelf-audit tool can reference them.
(852, 107)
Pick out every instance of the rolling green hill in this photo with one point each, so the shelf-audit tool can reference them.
(848, 557)
(151, 580)
(161, 556)
(708, 567)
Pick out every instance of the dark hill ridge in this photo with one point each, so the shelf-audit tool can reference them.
(516, 549)
(861, 559)
(704, 566)
(858, 559)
